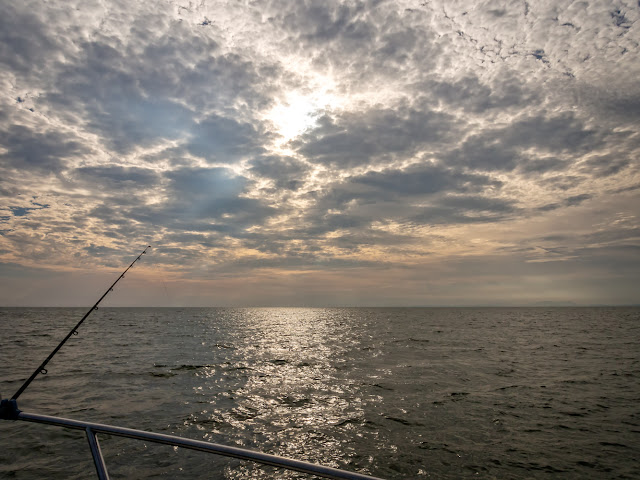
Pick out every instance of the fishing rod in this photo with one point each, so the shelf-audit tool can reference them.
(74, 331)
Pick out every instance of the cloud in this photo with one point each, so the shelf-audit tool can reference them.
(416, 181)
(553, 133)
(472, 95)
(217, 138)
(44, 151)
(506, 148)
(543, 165)
(203, 200)
(466, 209)
(435, 134)
(604, 166)
(160, 81)
(24, 46)
(118, 177)
(421, 194)
(324, 23)
(130, 101)
(373, 41)
(374, 135)
(285, 172)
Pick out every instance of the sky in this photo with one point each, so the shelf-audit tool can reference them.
(320, 153)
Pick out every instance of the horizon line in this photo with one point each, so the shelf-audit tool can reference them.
(533, 305)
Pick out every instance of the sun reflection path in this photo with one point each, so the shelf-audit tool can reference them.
(295, 398)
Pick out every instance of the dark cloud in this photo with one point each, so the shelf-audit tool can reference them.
(118, 177)
(543, 165)
(390, 186)
(625, 105)
(187, 64)
(624, 235)
(446, 195)
(43, 151)
(354, 236)
(484, 154)
(473, 96)
(319, 223)
(286, 172)
(604, 165)
(577, 199)
(372, 136)
(369, 39)
(571, 201)
(423, 179)
(24, 45)
(465, 209)
(505, 148)
(549, 207)
(630, 188)
(323, 22)
(563, 182)
(557, 133)
(397, 45)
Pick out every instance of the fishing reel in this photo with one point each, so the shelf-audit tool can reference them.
(9, 409)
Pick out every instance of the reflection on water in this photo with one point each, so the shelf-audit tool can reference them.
(398, 393)
(293, 395)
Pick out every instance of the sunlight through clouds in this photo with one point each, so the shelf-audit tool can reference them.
(362, 147)
(299, 112)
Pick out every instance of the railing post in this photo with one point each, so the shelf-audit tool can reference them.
(98, 459)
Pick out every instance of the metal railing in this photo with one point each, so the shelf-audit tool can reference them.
(92, 429)
(9, 411)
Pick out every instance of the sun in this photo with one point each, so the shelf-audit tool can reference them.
(298, 111)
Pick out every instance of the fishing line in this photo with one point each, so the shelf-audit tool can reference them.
(74, 331)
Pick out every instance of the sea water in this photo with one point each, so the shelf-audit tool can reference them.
(392, 392)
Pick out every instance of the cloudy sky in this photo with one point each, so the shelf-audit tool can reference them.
(319, 153)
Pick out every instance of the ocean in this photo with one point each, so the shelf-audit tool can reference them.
(441, 393)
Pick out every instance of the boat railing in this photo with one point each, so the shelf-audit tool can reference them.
(11, 412)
